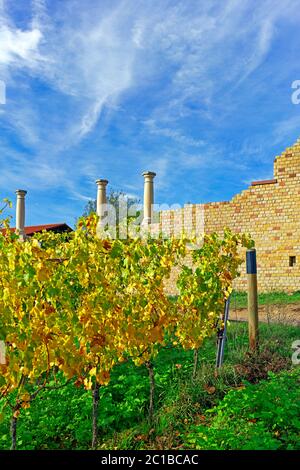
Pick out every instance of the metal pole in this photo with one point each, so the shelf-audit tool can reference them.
(252, 299)
(222, 336)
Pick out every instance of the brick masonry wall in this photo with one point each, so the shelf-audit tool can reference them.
(268, 210)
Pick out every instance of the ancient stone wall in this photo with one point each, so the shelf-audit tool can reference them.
(269, 211)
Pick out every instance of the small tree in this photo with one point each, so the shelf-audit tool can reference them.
(204, 288)
(114, 198)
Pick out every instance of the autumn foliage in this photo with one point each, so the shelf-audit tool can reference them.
(81, 304)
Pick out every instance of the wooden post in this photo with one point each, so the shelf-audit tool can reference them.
(252, 298)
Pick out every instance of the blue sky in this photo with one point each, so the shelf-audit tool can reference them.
(197, 91)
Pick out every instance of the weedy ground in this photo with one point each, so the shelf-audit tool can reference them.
(252, 403)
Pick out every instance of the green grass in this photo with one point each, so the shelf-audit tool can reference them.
(61, 419)
(239, 299)
(257, 417)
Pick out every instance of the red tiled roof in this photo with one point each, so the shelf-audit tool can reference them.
(31, 229)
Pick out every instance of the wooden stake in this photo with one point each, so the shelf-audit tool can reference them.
(252, 299)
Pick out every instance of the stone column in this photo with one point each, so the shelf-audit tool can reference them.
(101, 198)
(20, 213)
(148, 197)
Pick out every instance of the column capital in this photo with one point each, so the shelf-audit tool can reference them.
(21, 192)
(102, 182)
(149, 174)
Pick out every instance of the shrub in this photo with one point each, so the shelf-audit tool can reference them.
(256, 366)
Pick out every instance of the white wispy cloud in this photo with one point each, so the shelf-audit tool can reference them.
(88, 59)
(283, 129)
(159, 69)
(101, 52)
(171, 133)
(19, 46)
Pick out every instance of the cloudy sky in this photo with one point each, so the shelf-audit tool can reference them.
(197, 91)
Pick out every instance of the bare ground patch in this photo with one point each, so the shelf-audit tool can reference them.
(288, 314)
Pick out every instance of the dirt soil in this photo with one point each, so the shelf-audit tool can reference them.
(277, 313)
